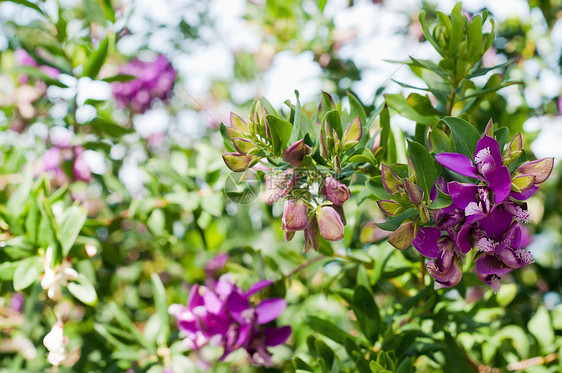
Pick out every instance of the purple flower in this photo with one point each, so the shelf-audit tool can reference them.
(224, 316)
(487, 166)
(445, 268)
(155, 80)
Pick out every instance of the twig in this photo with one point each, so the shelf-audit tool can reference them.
(306, 264)
(538, 360)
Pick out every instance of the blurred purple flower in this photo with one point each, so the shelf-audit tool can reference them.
(155, 80)
(224, 316)
(16, 302)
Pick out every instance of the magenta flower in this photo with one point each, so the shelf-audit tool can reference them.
(486, 166)
(224, 316)
(155, 80)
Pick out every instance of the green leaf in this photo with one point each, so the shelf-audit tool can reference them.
(328, 329)
(26, 273)
(465, 136)
(83, 290)
(506, 294)
(398, 103)
(17, 201)
(357, 109)
(297, 122)
(109, 128)
(72, 221)
(280, 132)
(334, 122)
(157, 329)
(95, 62)
(7, 270)
(119, 78)
(28, 4)
(441, 201)
(439, 141)
(540, 327)
(39, 74)
(385, 131)
(365, 156)
(367, 313)
(393, 223)
(422, 105)
(426, 173)
(377, 189)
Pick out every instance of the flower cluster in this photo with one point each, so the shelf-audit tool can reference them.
(313, 196)
(485, 214)
(62, 152)
(154, 80)
(24, 59)
(224, 316)
(318, 216)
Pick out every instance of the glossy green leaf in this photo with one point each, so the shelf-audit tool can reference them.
(465, 136)
(95, 62)
(27, 272)
(83, 290)
(426, 172)
(72, 221)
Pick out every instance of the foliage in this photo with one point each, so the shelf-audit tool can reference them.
(117, 244)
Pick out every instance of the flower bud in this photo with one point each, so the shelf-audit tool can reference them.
(415, 194)
(295, 215)
(335, 191)
(353, 134)
(540, 169)
(402, 238)
(238, 162)
(243, 146)
(389, 207)
(311, 235)
(390, 180)
(329, 223)
(237, 123)
(295, 153)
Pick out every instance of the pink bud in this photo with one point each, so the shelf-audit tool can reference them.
(295, 153)
(295, 215)
(329, 223)
(335, 191)
(311, 235)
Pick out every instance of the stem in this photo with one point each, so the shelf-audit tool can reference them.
(452, 101)
(306, 264)
(538, 360)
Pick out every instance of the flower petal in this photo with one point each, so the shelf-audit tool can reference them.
(462, 194)
(493, 146)
(456, 162)
(491, 265)
(499, 180)
(270, 309)
(496, 223)
(277, 336)
(426, 242)
(525, 194)
(258, 286)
